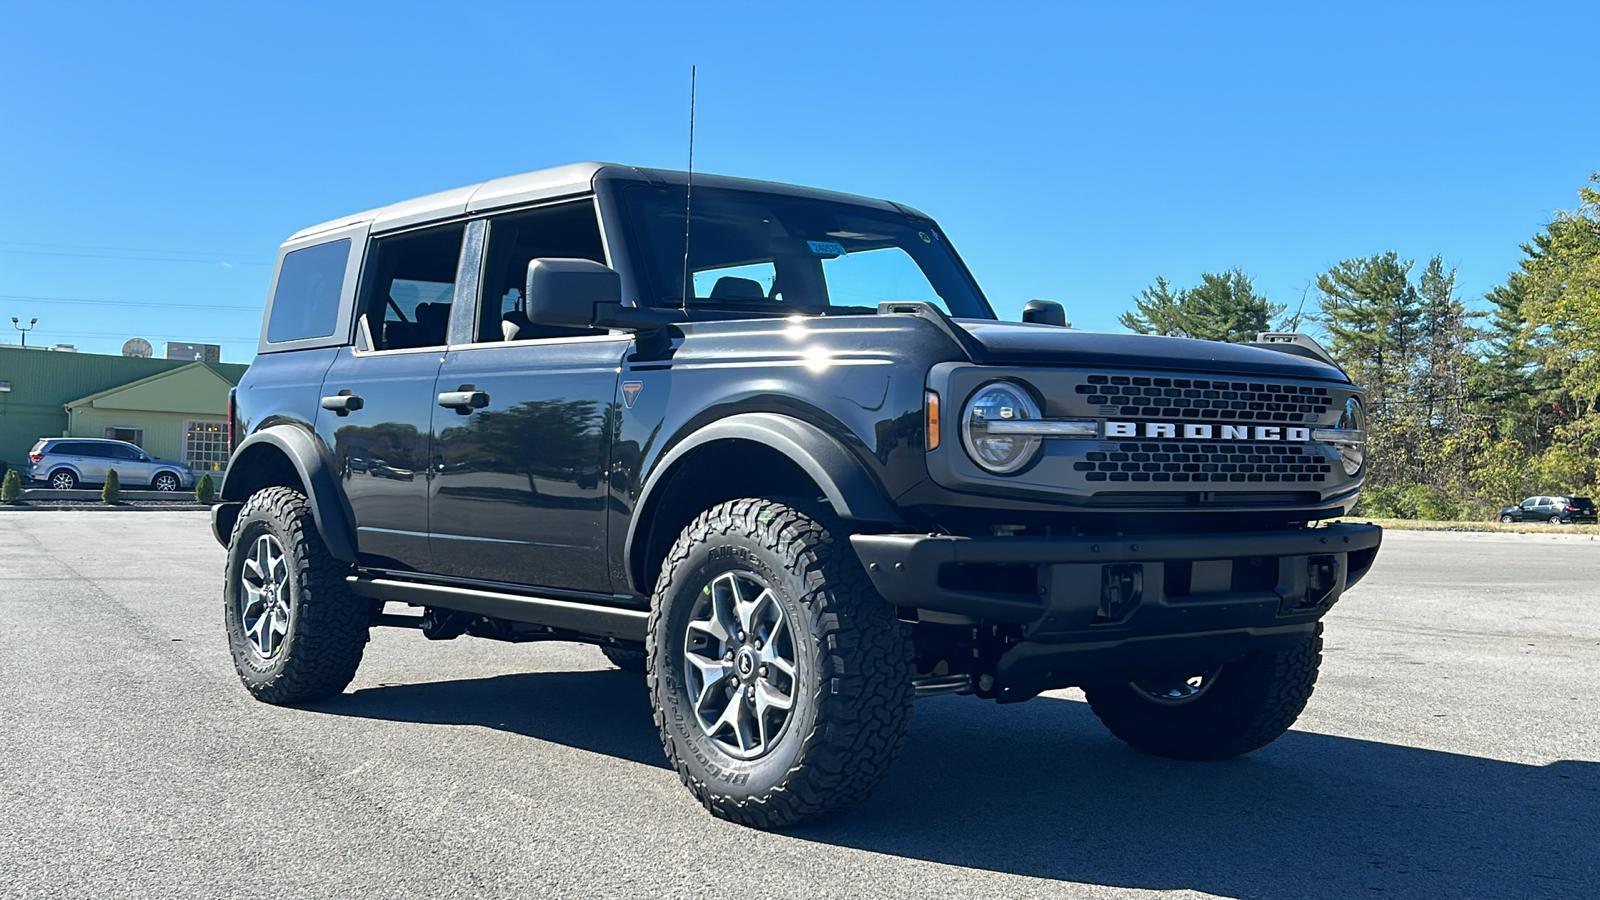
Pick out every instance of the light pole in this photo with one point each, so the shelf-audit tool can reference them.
(18, 326)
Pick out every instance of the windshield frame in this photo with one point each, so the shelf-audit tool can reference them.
(643, 278)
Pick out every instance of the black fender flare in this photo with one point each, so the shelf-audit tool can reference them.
(850, 490)
(306, 453)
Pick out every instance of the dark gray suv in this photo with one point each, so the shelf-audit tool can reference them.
(796, 476)
(65, 463)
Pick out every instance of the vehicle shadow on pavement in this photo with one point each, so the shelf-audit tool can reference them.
(603, 711)
(1041, 790)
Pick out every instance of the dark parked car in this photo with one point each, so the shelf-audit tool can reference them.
(795, 480)
(1555, 509)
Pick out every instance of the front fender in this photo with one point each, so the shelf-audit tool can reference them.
(305, 453)
(849, 488)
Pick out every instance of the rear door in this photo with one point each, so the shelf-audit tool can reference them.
(92, 460)
(519, 493)
(378, 397)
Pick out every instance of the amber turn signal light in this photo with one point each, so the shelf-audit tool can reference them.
(931, 429)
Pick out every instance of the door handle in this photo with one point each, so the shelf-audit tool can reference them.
(464, 399)
(343, 403)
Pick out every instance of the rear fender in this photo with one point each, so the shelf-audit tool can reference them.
(304, 452)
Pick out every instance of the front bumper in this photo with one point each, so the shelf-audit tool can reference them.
(1101, 608)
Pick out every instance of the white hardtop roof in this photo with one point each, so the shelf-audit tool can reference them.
(546, 184)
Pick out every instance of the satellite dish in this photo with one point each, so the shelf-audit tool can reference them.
(138, 348)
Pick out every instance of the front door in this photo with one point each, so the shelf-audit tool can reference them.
(519, 482)
(378, 398)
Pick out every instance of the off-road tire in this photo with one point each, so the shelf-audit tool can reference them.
(1252, 703)
(328, 626)
(626, 660)
(852, 693)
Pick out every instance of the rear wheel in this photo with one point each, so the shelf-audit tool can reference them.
(1555, 520)
(1233, 709)
(781, 680)
(166, 481)
(295, 630)
(63, 480)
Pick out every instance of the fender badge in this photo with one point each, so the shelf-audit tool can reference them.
(630, 392)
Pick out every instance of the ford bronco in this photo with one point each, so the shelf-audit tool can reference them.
(770, 447)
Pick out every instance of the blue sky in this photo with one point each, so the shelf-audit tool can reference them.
(157, 154)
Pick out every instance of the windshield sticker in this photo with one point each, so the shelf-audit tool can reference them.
(826, 248)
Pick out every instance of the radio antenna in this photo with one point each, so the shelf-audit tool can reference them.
(688, 192)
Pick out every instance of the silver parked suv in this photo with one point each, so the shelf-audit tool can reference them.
(65, 463)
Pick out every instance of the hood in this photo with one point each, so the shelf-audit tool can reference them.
(1015, 343)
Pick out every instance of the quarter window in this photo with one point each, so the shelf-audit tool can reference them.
(306, 301)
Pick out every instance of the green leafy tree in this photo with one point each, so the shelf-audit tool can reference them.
(205, 490)
(113, 487)
(1223, 307)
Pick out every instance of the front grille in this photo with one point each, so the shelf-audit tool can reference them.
(1201, 398)
(1205, 463)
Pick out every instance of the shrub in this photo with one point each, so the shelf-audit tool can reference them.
(113, 487)
(1409, 501)
(11, 487)
(204, 489)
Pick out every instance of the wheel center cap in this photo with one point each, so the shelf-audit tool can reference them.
(745, 662)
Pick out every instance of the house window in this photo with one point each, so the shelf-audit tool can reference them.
(205, 446)
(134, 436)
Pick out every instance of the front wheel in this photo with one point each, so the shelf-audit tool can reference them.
(1231, 710)
(1506, 520)
(781, 681)
(166, 481)
(295, 629)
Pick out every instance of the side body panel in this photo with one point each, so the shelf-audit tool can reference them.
(519, 488)
(381, 451)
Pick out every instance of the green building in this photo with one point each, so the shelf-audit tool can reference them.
(171, 408)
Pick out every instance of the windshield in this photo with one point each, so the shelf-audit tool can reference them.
(774, 255)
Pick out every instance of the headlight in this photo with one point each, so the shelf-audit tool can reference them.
(1348, 437)
(997, 402)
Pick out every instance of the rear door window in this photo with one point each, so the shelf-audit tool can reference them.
(409, 286)
(306, 301)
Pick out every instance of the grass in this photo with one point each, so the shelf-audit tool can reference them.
(1526, 528)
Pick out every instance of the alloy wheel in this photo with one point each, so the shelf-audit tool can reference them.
(1176, 693)
(166, 482)
(63, 481)
(740, 664)
(265, 610)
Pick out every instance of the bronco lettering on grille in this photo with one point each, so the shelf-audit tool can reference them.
(1193, 431)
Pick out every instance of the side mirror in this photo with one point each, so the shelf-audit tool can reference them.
(1044, 312)
(581, 293)
(565, 291)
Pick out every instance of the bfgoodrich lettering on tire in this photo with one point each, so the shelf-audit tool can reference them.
(295, 630)
(1233, 709)
(781, 680)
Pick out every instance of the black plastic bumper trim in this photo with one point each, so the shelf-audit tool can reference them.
(905, 567)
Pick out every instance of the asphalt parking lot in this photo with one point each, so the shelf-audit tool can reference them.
(1452, 750)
